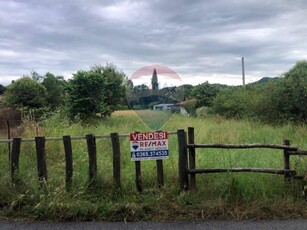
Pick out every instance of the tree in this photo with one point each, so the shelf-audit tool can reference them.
(55, 90)
(294, 92)
(204, 93)
(98, 90)
(114, 90)
(36, 76)
(25, 93)
(137, 96)
(286, 98)
(140, 88)
(184, 91)
(129, 87)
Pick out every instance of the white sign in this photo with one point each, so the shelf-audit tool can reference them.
(149, 146)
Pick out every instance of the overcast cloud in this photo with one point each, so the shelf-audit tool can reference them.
(200, 40)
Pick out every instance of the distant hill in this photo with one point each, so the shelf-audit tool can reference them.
(265, 80)
(222, 86)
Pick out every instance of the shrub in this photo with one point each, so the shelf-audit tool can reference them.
(25, 94)
(99, 90)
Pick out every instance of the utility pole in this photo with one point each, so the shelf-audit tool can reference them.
(243, 72)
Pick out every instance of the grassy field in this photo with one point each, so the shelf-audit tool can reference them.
(218, 196)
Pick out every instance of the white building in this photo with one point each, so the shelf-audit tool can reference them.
(165, 107)
(170, 107)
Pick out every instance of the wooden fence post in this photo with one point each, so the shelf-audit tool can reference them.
(68, 161)
(287, 175)
(116, 158)
(192, 164)
(183, 159)
(15, 158)
(41, 159)
(138, 176)
(92, 155)
(9, 137)
(160, 175)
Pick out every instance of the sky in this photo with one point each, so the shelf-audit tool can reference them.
(200, 40)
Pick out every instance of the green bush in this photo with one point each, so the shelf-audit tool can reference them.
(99, 90)
(294, 92)
(204, 93)
(25, 93)
(230, 103)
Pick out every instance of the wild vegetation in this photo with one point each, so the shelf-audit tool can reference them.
(218, 196)
(278, 100)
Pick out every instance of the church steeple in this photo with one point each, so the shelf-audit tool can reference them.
(154, 80)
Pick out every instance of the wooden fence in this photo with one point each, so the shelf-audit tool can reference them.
(186, 159)
(187, 164)
(92, 157)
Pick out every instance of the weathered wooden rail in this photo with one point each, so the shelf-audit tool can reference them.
(187, 163)
(92, 157)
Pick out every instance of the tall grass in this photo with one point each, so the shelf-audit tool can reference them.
(218, 196)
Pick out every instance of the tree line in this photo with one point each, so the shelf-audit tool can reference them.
(281, 99)
(103, 89)
(88, 93)
(270, 100)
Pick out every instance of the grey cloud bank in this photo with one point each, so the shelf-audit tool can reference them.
(200, 40)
